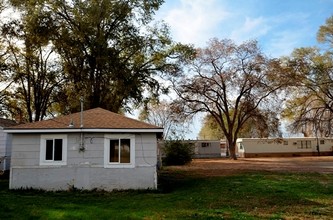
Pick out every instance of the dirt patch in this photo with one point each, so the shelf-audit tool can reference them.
(222, 166)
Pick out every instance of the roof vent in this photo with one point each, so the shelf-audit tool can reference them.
(71, 124)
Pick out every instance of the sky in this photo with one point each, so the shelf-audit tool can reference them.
(279, 26)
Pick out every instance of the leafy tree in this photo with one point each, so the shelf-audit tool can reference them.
(4, 75)
(108, 52)
(310, 106)
(163, 114)
(210, 129)
(325, 33)
(260, 125)
(111, 52)
(33, 67)
(230, 82)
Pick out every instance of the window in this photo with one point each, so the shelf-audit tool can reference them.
(241, 146)
(304, 145)
(205, 144)
(119, 151)
(53, 150)
(322, 141)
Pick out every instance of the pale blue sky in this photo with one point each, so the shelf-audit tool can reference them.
(278, 25)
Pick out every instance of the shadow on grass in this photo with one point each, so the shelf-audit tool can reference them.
(170, 181)
(306, 195)
(183, 195)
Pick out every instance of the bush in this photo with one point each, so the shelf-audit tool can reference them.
(177, 152)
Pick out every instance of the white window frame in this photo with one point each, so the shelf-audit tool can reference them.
(42, 159)
(107, 163)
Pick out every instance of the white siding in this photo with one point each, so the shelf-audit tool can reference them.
(2, 143)
(146, 150)
(64, 178)
(283, 145)
(3, 151)
(25, 150)
(84, 169)
(207, 148)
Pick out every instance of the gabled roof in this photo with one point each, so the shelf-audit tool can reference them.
(96, 119)
(6, 123)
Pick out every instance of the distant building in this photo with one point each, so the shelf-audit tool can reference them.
(284, 147)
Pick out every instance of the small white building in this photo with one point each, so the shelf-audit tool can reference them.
(97, 149)
(209, 148)
(5, 147)
(284, 147)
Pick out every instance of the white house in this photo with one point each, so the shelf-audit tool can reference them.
(284, 147)
(5, 148)
(95, 149)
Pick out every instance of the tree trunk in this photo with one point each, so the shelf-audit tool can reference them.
(232, 148)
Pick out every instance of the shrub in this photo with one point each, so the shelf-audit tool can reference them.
(177, 152)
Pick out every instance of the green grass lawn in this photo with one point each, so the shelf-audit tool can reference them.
(259, 195)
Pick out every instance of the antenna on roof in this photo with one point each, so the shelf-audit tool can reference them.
(81, 113)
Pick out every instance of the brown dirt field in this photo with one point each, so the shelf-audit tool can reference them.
(223, 166)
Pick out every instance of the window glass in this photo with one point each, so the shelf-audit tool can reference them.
(53, 149)
(119, 151)
(114, 151)
(58, 149)
(49, 150)
(308, 144)
(125, 151)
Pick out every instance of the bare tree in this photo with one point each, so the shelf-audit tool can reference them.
(230, 82)
(165, 115)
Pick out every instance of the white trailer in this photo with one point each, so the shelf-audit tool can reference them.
(209, 148)
(284, 147)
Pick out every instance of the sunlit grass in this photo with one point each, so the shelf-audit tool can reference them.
(259, 195)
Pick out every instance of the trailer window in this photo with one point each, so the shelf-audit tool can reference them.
(304, 145)
(205, 144)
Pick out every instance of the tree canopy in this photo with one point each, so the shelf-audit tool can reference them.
(111, 53)
(310, 105)
(230, 82)
(260, 125)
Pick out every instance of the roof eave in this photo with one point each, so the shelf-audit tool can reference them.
(86, 130)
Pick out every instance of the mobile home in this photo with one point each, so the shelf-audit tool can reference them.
(284, 147)
(209, 148)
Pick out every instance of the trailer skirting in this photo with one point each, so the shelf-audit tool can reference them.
(286, 154)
